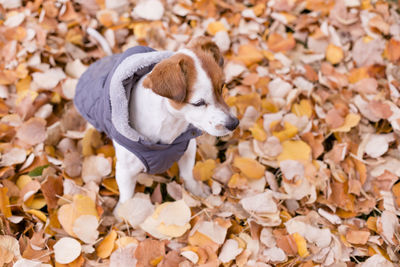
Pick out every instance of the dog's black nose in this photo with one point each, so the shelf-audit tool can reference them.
(232, 123)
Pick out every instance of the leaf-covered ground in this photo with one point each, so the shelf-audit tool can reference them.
(310, 177)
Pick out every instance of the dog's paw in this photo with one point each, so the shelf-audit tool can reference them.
(198, 189)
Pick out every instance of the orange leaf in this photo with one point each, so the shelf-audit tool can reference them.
(107, 245)
(393, 50)
(5, 202)
(278, 43)
(357, 237)
(249, 54)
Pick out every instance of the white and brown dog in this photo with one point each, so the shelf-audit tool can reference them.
(152, 104)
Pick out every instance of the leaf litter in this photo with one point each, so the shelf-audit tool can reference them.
(310, 177)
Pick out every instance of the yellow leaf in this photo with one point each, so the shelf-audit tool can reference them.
(5, 202)
(251, 168)
(237, 181)
(249, 54)
(259, 9)
(37, 203)
(295, 150)
(288, 132)
(91, 139)
(111, 184)
(38, 214)
(350, 121)
(301, 245)
(258, 133)
(23, 84)
(334, 54)
(214, 27)
(304, 108)
(107, 245)
(140, 29)
(203, 171)
(201, 240)
(173, 230)
(23, 180)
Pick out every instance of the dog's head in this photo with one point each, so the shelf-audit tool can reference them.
(193, 80)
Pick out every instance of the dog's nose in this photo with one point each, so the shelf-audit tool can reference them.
(232, 123)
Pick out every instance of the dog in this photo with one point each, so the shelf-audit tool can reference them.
(153, 104)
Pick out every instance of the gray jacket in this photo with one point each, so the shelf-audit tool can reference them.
(102, 97)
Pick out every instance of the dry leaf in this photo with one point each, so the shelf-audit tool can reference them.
(85, 228)
(229, 251)
(249, 167)
(203, 171)
(32, 131)
(66, 250)
(170, 219)
(334, 54)
(107, 245)
(148, 252)
(136, 209)
(94, 168)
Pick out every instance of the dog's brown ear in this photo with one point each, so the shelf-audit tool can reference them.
(208, 46)
(169, 78)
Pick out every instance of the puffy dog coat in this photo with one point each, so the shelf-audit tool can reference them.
(102, 97)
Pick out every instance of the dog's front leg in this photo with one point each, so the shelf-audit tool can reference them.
(127, 167)
(186, 164)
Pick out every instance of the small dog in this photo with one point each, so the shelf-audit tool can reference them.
(153, 104)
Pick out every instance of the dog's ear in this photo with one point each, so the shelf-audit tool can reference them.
(169, 78)
(207, 45)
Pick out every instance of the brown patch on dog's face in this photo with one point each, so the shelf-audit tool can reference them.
(173, 78)
(214, 71)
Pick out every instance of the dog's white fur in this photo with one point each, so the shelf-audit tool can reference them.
(154, 117)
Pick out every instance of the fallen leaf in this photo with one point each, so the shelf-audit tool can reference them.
(301, 245)
(214, 27)
(334, 54)
(136, 209)
(249, 167)
(32, 131)
(357, 236)
(94, 168)
(107, 245)
(66, 250)
(229, 251)
(278, 43)
(5, 202)
(350, 121)
(85, 228)
(203, 171)
(170, 219)
(295, 150)
(148, 251)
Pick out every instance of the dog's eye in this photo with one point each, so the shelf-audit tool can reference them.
(199, 103)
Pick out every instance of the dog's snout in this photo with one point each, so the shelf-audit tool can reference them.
(232, 123)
